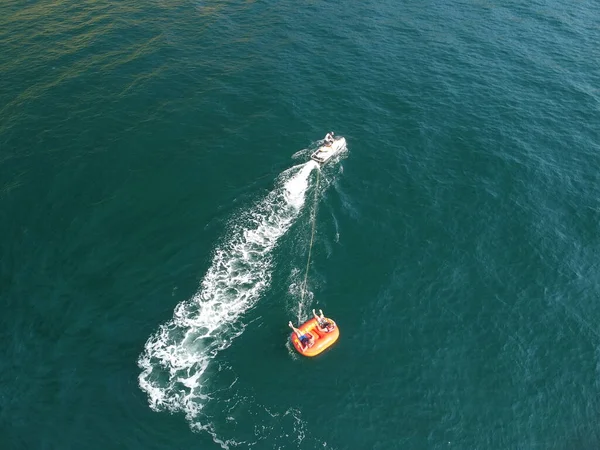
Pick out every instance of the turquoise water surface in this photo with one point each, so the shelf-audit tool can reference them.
(157, 201)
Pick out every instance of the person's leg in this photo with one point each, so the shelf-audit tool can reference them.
(296, 330)
(321, 312)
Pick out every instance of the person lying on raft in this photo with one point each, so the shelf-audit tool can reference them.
(325, 325)
(307, 340)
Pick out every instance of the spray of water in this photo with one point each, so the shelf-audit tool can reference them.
(176, 357)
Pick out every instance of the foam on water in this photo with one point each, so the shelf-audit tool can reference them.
(175, 359)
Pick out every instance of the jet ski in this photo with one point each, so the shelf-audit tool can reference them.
(328, 150)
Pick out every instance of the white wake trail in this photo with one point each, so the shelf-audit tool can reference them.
(177, 356)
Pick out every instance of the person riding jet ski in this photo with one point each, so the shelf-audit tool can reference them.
(329, 138)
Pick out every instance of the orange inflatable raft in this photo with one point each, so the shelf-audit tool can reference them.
(322, 339)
